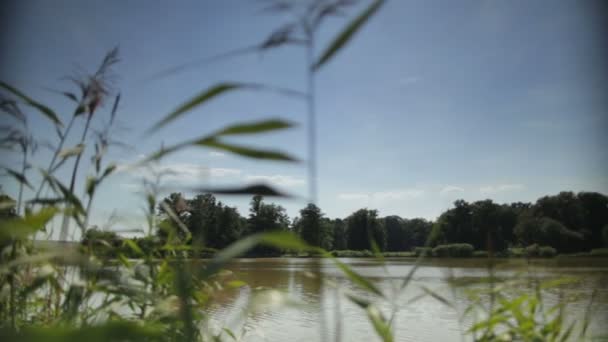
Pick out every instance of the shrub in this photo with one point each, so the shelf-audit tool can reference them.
(546, 252)
(454, 250)
(535, 251)
(423, 251)
(480, 254)
(352, 254)
(599, 252)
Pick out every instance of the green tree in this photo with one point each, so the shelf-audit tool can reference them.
(595, 209)
(338, 229)
(364, 226)
(417, 231)
(263, 218)
(314, 228)
(396, 238)
(211, 223)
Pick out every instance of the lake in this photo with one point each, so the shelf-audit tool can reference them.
(311, 309)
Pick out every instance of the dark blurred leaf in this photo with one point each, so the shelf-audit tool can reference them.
(42, 108)
(19, 177)
(70, 96)
(344, 36)
(256, 189)
(196, 101)
(437, 296)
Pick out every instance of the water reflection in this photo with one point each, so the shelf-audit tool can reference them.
(424, 320)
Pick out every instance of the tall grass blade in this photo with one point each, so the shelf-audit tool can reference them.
(344, 37)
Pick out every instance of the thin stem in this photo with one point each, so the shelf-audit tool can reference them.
(312, 125)
(23, 168)
(65, 222)
(56, 154)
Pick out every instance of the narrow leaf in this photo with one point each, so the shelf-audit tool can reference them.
(42, 108)
(256, 189)
(198, 100)
(344, 37)
(255, 127)
(19, 177)
(245, 151)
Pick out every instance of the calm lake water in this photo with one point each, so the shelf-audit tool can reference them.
(312, 308)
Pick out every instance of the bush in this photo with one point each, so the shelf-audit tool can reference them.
(536, 251)
(480, 254)
(423, 251)
(352, 254)
(398, 254)
(454, 250)
(546, 252)
(600, 252)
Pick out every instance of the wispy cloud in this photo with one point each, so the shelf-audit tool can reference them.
(183, 173)
(280, 180)
(408, 80)
(353, 196)
(450, 190)
(384, 195)
(215, 154)
(494, 189)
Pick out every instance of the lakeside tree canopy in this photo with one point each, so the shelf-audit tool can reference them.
(567, 222)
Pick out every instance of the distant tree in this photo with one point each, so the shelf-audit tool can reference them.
(546, 231)
(595, 217)
(266, 217)
(339, 234)
(364, 226)
(564, 207)
(417, 231)
(396, 237)
(309, 225)
(211, 223)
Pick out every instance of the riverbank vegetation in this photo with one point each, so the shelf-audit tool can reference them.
(147, 288)
(565, 224)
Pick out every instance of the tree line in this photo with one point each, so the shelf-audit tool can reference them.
(567, 222)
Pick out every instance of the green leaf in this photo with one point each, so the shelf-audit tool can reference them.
(437, 296)
(355, 277)
(42, 108)
(255, 127)
(71, 152)
(197, 100)
(133, 246)
(19, 177)
(22, 227)
(255, 189)
(380, 324)
(344, 36)
(245, 151)
(284, 240)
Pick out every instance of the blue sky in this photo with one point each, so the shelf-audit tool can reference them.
(432, 100)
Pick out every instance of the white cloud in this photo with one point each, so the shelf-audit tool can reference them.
(450, 189)
(182, 173)
(352, 196)
(384, 195)
(493, 189)
(280, 180)
(397, 195)
(217, 154)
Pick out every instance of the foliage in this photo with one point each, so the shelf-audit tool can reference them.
(363, 229)
(455, 250)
